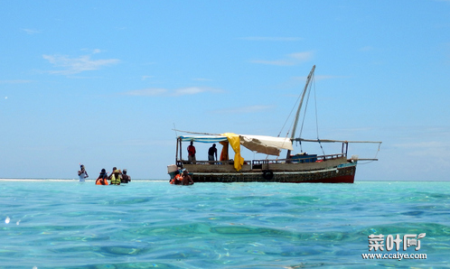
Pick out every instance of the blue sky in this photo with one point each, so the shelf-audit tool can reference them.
(103, 83)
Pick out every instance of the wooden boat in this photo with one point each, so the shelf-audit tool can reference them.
(298, 168)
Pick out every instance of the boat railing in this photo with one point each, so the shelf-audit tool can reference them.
(179, 163)
(259, 163)
(306, 159)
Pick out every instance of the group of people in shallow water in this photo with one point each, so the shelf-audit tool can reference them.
(182, 178)
(117, 177)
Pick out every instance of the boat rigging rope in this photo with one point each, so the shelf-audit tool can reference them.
(304, 114)
(374, 158)
(317, 118)
(376, 154)
(289, 130)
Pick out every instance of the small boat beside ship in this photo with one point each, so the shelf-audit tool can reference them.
(295, 168)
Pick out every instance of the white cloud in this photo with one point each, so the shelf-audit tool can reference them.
(77, 65)
(247, 109)
(193, 90)
(31, 31)
(426, 148)
(92, 51)
(146, 77)
(147, 92)
(366, 48)
(291, 59)
(176, 92)
(301, 56)
(266, 38)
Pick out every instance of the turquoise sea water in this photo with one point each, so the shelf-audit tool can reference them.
(148, 224)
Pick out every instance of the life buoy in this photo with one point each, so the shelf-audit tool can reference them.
(267, 174)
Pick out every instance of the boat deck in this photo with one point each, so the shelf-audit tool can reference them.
(276, 165)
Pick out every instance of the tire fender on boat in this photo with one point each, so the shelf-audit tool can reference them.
(267, 174)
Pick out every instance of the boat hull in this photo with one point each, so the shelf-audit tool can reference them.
(344, 174)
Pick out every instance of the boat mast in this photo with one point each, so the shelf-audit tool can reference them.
(288, 155)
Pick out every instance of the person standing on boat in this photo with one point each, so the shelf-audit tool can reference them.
(212, 152)
(82, 174)
(191, 151)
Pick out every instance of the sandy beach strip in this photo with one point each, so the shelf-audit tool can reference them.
(70, 180)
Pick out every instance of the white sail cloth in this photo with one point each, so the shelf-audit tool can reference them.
(266, 144)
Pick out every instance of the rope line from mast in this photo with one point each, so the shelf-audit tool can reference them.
(295, 105)
(305, 109)
(317, 118)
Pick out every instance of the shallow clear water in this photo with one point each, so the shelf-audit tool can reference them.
(66, 224)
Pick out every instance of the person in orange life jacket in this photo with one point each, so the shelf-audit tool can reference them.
(125, 178)
(176, 180)
(102, 178)
(191, 152)
(186, 179)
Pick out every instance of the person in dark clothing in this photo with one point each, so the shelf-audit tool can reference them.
(191, 153)
(125, 178)
(212, 152)
(102, 178)
(186, 178)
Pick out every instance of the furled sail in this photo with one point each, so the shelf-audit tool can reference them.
(266, 144)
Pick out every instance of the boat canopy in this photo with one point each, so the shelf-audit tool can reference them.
(262, 144)
(203, 139)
